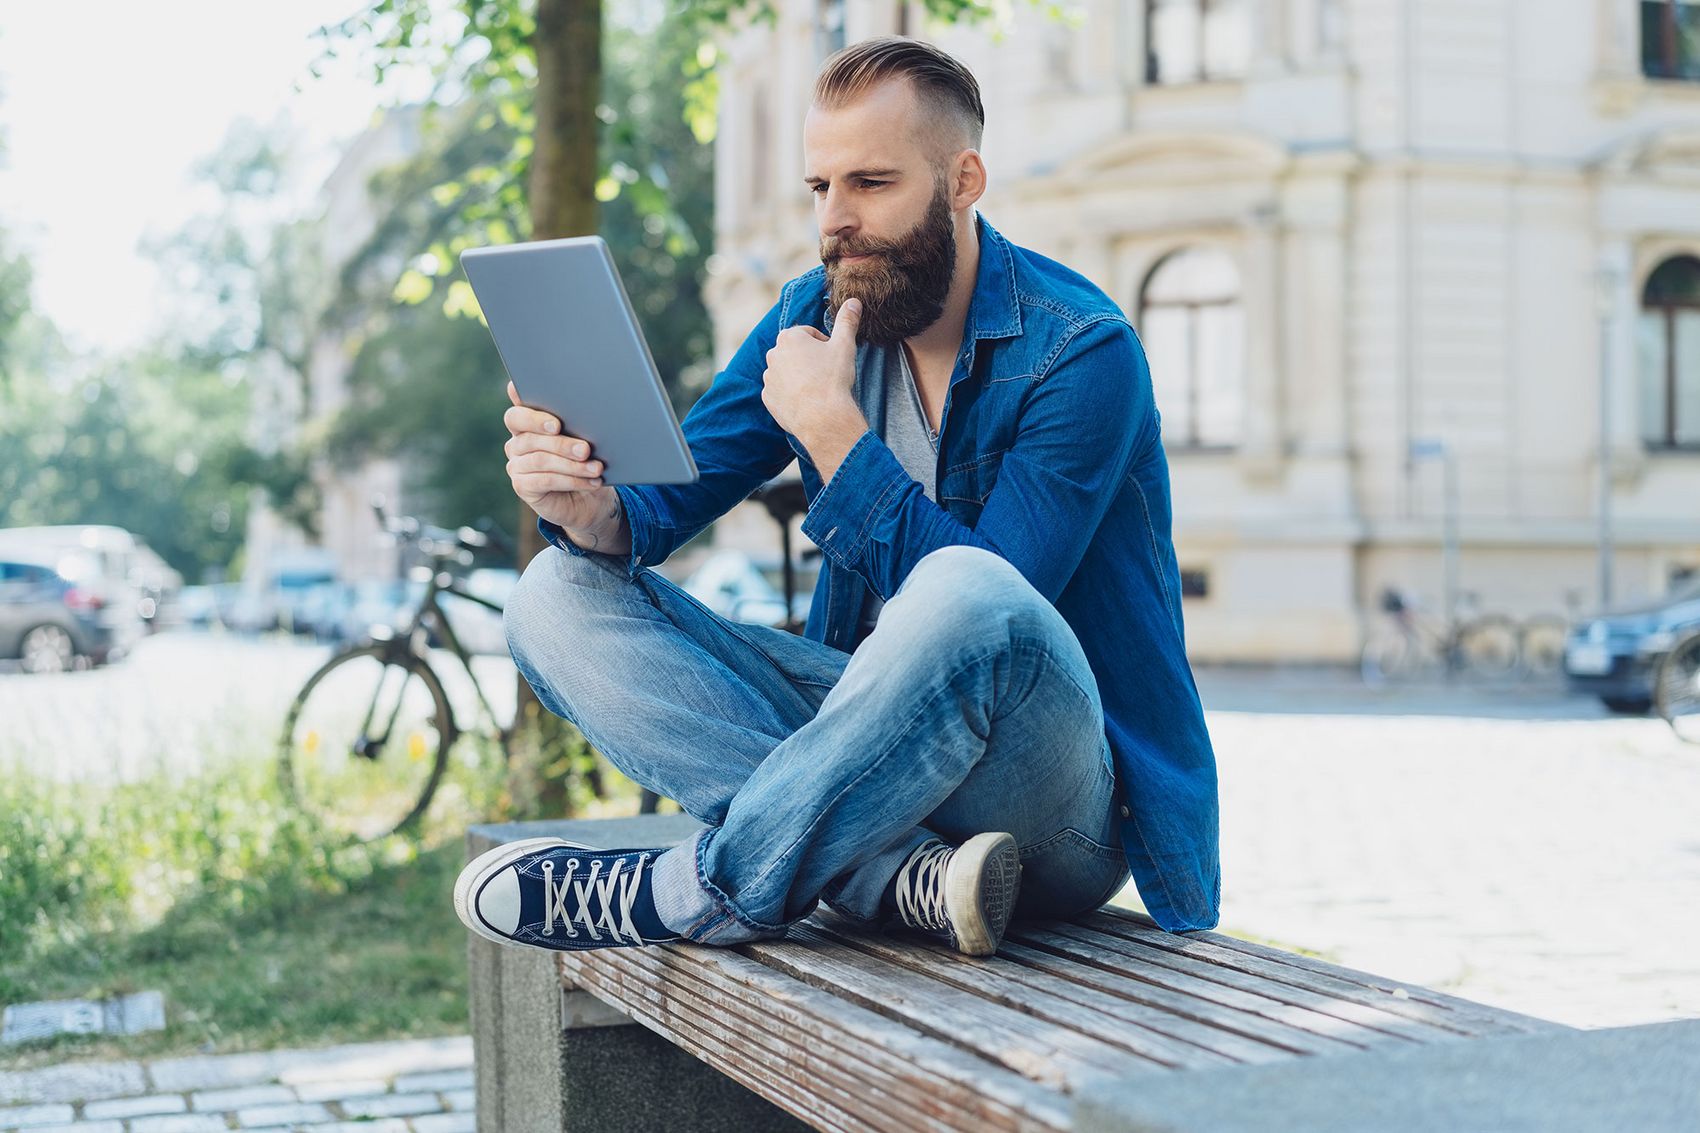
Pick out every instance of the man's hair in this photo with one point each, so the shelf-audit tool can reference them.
(942, 85)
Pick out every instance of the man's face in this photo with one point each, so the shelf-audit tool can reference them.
(887, 233)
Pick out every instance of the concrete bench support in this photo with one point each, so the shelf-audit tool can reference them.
(553, 1059)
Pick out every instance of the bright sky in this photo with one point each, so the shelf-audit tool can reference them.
(104, 107)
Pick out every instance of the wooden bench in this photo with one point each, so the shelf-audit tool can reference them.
(1079, 1025)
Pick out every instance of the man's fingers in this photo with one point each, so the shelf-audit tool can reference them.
(513, 394)
(519, 420)
(535, 458)
(845, 322)
(536, 485)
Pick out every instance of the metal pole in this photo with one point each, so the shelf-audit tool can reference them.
(1605, 281)
(1449, 548)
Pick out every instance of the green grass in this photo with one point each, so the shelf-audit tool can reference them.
(259, 931)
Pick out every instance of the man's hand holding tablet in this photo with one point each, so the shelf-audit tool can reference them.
(558, 476)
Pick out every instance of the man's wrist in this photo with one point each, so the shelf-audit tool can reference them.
(604, 528)
(831, 443)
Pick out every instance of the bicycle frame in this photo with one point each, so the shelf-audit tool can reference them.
(413, 640)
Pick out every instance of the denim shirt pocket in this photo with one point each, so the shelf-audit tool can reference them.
(963, 489)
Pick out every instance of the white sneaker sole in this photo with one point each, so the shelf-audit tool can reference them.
(487, 865)
(980, 885)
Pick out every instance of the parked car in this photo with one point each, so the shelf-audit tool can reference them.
(123, 560)
(196, 607)
(386, 604)
(53, 612)
(1615, 655)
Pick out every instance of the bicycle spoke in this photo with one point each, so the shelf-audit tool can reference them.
(356, 781)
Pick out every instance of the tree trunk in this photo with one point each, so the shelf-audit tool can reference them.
(568, 43)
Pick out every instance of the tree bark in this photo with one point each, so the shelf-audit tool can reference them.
(568, 45)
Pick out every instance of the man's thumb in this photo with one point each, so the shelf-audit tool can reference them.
(848, 318)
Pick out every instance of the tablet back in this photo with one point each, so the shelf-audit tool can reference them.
(571, 343)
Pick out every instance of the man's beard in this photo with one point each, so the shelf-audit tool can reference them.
(904, 283)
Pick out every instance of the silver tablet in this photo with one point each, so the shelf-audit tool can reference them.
(571, 342)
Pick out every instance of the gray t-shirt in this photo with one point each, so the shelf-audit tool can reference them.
(911, 439)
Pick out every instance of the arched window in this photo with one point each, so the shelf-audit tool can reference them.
(1190, 41)
(1192, 325)
(1668, 338)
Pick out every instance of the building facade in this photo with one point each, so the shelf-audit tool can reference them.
(1408, 275)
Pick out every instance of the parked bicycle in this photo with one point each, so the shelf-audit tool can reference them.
(1676, 687)
(1409, 642)
(367, 740)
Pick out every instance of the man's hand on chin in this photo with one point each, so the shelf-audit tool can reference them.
(807, 384)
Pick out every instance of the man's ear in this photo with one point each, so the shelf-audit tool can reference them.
(967, 179)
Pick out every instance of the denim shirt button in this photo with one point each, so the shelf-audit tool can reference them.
(1126, 813)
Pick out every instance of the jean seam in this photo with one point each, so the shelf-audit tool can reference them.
(720, 897)
(872, 766)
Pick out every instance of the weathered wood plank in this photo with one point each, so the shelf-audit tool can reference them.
(1135, 922)
(809, 1016)
(791, 1075)
(1033, 1047)
(1460, 1016)
(1295, 1030)
(1357, 1008)
(825, 1053)
(1178, 1040)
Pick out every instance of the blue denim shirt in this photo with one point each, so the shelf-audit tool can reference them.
(1049, 455)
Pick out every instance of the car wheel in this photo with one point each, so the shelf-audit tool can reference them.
(1627, 705)
(48, 649)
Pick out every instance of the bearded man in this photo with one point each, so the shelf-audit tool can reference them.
(990, 711)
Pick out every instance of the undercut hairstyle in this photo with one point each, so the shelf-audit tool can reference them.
(952, 116)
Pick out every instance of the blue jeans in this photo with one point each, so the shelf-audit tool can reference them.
(969, 708)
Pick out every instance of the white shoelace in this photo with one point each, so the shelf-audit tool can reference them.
(920, 888)
(614, 891)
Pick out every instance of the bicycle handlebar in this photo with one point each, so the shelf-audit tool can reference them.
(440, 543)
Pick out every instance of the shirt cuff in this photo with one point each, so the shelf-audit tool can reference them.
(639, 518)
(839, 520)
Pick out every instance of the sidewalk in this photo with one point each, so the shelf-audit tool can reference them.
(422, 1086)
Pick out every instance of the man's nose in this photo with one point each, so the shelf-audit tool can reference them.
(837, 220)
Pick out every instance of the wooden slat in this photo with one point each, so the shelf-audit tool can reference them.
(1180, 1041)
(804, 1015)
(794, 1076)
(1293, 1029)
(1141, 927)
(1033, 1047)
(1353, 1011)
(1459, 1016)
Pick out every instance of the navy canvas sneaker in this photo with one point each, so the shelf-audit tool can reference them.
(551, 893)
(963, 895)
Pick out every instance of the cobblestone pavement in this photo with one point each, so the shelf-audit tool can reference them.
(1517, 847)
(421, 1086)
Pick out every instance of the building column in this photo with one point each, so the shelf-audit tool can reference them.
(1262, 447)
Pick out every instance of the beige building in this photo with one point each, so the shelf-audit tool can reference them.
(1364, 242)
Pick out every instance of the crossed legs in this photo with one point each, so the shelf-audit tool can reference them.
(816, 773)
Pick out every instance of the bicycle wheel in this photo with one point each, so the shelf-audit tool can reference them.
(1676, 688)
(1540, 645)
(1388, 656)
(366, 741)
(1488, 645)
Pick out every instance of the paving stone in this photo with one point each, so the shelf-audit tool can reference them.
(442, 1080)
(392, 1105)
(337, 1089)
(75, 1082)
(25, 1115)
(81, 1127)
(135, 1107)
(181, 1123)
(461, 1099)
(446, 1123)
(381, 1125)
(241, 1096)
(298, 1113)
